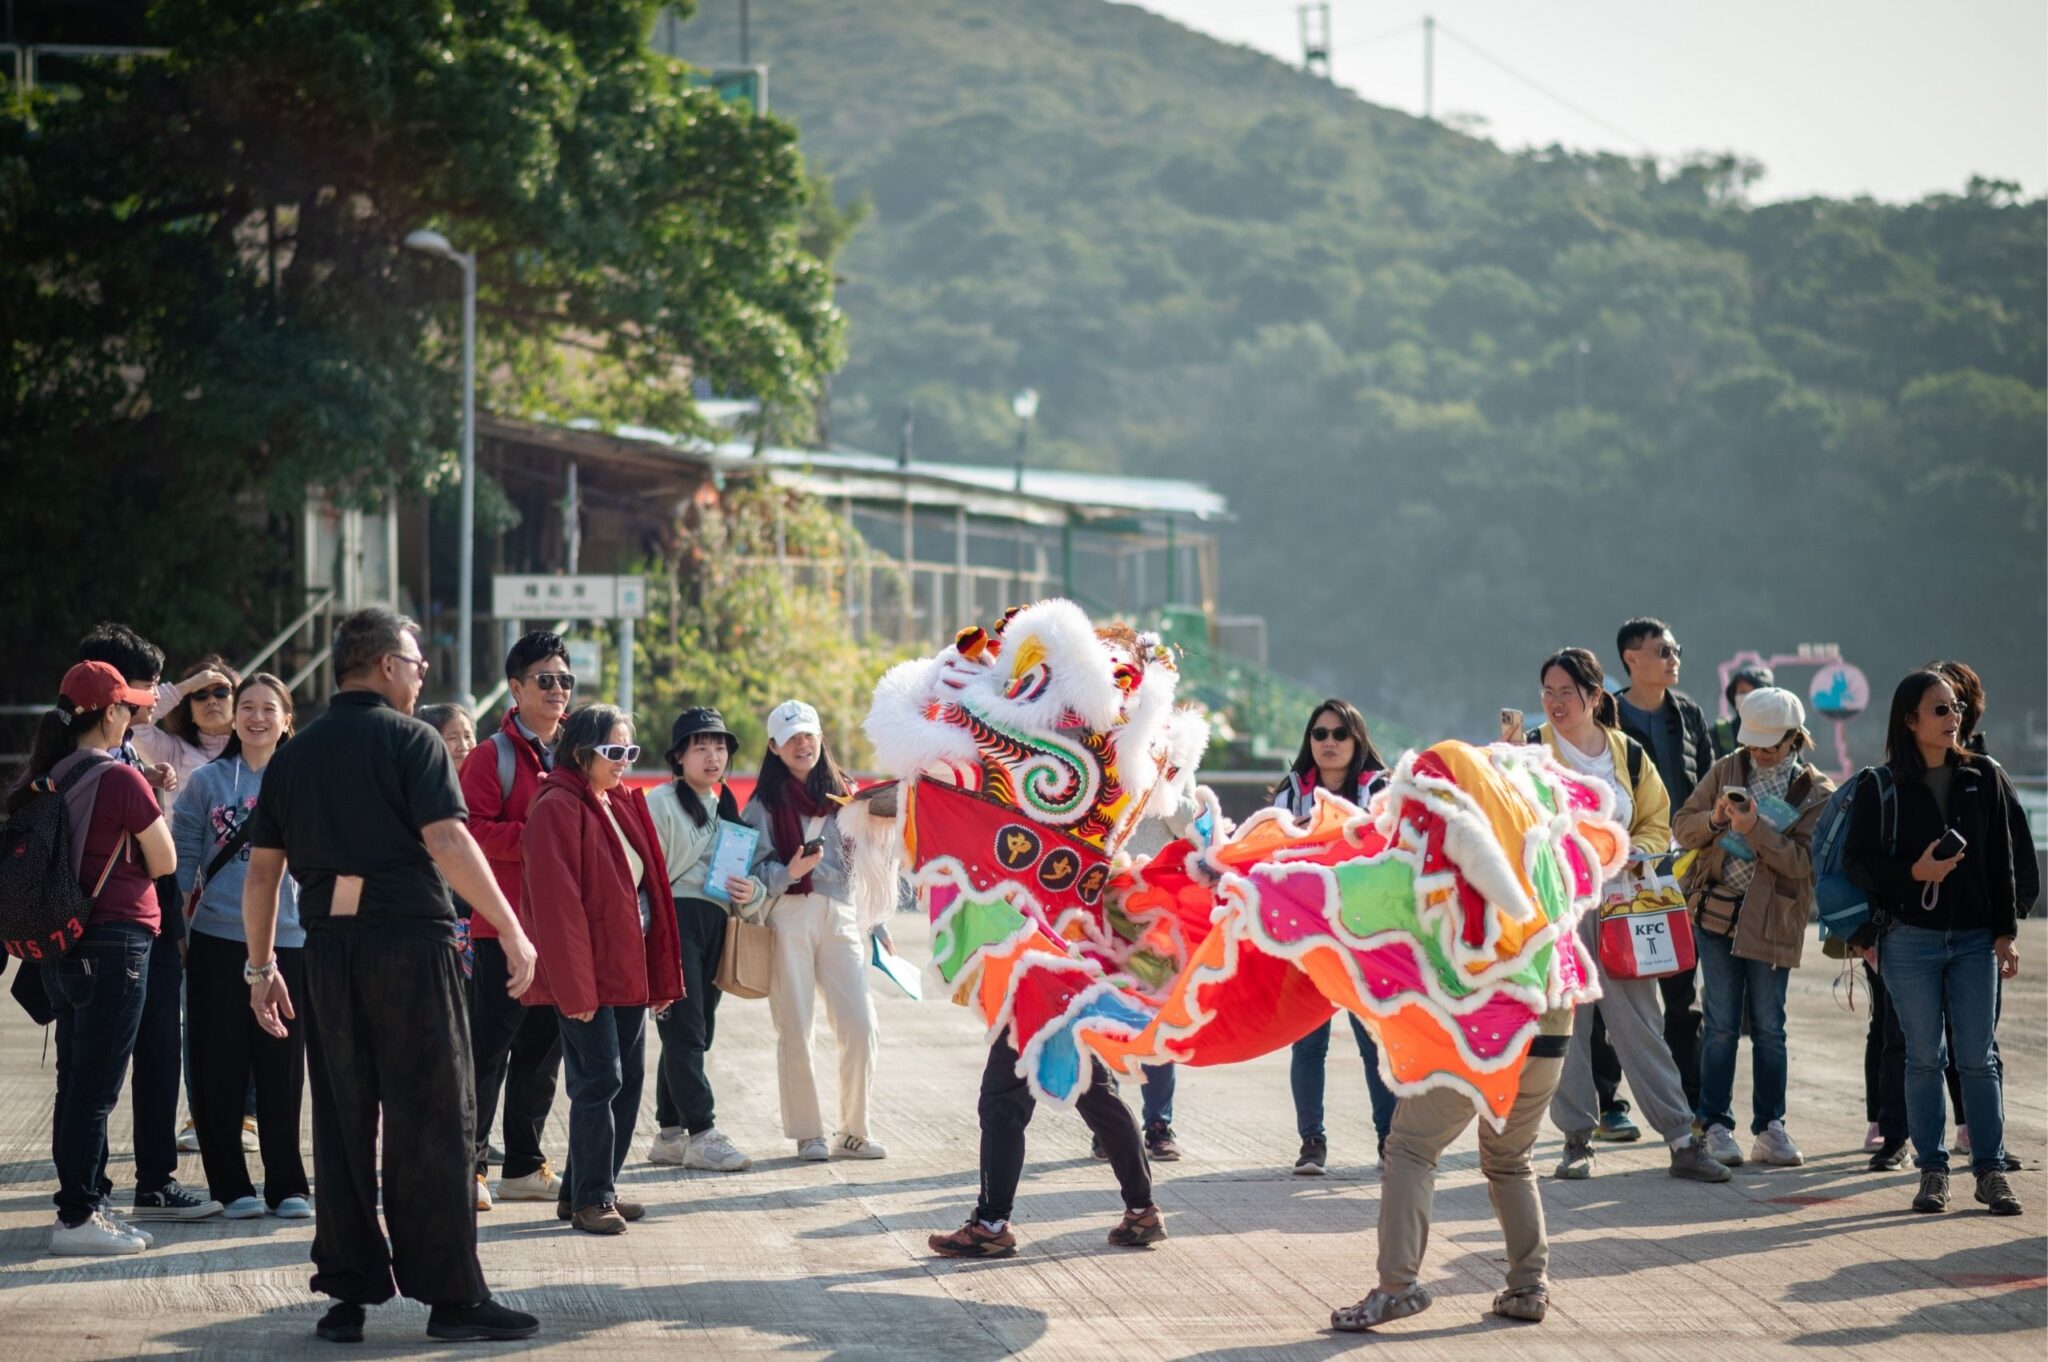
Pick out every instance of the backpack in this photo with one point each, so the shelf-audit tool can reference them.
(43, 908)
(1843, 906)
(502, 741)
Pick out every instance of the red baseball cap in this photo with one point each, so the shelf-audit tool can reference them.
(95, 685)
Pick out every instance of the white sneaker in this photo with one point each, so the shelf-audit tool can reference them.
(132, 1231)
(188, 1139)
(293, 1208)
(854, 1147)
(1773, 1146)
(542, 1184)
(713, 1152)
(483, 1193)
(250, 1144)
(813, 1150)
(670, 1147)
(93, 1237)
(1721, 1146)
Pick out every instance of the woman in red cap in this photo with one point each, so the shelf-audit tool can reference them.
(119, 845)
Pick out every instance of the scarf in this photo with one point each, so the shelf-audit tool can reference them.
(786, 823)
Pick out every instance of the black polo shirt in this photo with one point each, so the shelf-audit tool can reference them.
(348, 796)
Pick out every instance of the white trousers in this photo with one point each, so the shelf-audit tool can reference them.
(819, 949)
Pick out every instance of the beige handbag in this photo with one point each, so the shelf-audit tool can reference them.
(747, 964)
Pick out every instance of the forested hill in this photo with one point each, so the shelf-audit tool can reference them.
(1468, 405)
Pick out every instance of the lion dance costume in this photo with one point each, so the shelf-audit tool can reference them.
(1027, 754)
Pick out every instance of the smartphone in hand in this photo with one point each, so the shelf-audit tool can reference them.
(1950, 846)
(1511, 725)
(812, 847)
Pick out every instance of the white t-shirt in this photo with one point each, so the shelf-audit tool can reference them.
(1601, 768)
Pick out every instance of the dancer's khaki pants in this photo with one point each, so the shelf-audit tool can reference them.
(819, 949)
(1427, 1125)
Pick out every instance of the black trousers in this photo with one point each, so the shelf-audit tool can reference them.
(387, 1031)
(1006, 1107)
(1681, 1033)
(516, 1048)
(154, 1073)
(682, 1093)
(228, 1050)
(1884, 1062)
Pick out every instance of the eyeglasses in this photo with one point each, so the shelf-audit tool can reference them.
(419, 662)
(213, 693)
(1558, 696)
(1329, 734)
(553, 680)
(618, 751)
(1943, 711)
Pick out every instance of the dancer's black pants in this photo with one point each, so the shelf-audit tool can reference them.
(1006, 1107)
(387, 1032)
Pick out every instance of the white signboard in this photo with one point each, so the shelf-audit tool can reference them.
(586, 659)
(524, 597)
(630, 598)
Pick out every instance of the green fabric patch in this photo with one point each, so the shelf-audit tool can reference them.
(973, 925)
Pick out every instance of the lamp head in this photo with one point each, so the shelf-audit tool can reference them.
(430, 242)
(1025, 404)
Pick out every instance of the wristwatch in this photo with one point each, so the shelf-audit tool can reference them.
(256, 974)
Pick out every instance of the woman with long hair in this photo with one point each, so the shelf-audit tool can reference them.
(96, 989)
(196, 726)
(1581, 728)
(229, 1050)
(820, 943)
(1945, 907)
(1337, 754)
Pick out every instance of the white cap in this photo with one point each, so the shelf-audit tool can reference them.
(790, 718)
(1768, 714)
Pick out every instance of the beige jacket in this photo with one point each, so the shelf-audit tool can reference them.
(1771, 926)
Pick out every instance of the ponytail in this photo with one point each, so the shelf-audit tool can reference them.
(56, 738)
(1606, 712)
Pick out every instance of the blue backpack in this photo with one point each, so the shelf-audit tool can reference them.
(1843, 906)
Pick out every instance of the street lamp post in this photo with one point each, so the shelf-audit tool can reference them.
(1025, 405)
(1579, 353)
(430, 242)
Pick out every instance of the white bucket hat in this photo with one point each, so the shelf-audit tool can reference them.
(790, 718)
(1768, 714)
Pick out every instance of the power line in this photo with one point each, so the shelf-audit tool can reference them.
(1388, 35)
(1540, 88)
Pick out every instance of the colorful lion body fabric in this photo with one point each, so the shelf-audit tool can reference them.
(1443, 915)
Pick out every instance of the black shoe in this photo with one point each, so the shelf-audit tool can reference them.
(2013, 1164)
(480, 1323)
(343, 1323)
(1933, 1197)
(1315, 1157)
(1994, 1191)
(1890, 1156)
(1159, 1142)
(1097, 1150)
(562, 1211)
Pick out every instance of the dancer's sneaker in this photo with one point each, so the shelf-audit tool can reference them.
(1380, 1307)
(1692, 1162)
(1160, 1144)
(1577, 1163)
(1721, 1146)
(975, 1240)
(93, 1237)
(712, 1151)
(1314, 1159)
(1531, 1303)
(173, 1202)
(1139, 1228)
(1773, 1146)
(541, 1184)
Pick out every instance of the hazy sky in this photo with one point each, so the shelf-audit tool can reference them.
(1890, 98)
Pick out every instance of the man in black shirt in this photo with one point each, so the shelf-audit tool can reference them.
(364, 807)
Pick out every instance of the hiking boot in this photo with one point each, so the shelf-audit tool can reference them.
(1994, 1191)
(1315, 1157)
(486, 1322)
(1531, 1303)
(1097, 1150)
(671, 1148)
(1159, 1143)
(2013, 1164)
(857, 1147)
(1774, 1147)
(1139, 1228)
(541, 1184)
(630, 1211)
(1933, 1196)
(93, 1237)
(1721, 1146)
(1380, 1307)
(1692, 1162)
(599, 1219)
(1577, 1163)
(711, 1151)
(483, 1193)
(343, 1323)
(1890, 1156)
(1616, 1128)
(172, 1202)
(975, 1240)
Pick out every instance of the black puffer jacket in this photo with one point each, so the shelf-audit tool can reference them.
(1982, 893)
(1682, 717)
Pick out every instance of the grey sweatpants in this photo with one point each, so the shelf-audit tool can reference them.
(1635, 1027)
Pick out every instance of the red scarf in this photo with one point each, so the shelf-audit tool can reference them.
(793, 805)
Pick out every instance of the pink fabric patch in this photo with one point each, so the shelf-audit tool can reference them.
(1291, 902)
(943, 897)
(1582, 874)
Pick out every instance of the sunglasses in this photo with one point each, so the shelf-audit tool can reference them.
(1671, 652)
(618, 751)
(554, 680)
(1329, 734)
(213, 693)
(1943, 711)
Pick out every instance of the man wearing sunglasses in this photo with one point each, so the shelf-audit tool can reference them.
(516, 1049)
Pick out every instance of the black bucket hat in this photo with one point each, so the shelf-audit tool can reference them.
(691, 722)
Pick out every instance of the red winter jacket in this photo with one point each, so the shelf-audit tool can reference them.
(580, 907)
(496, 821)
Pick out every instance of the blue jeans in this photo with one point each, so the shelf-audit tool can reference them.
(1305, 1076)
(1157, 1094)
(1936, 977)
(605, 1060)
(97, 992)
(1735, 986)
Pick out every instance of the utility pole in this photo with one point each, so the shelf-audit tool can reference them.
(1429, 68)
(572, 523)
(1315, 38)
(1579, 353)
(904, 451)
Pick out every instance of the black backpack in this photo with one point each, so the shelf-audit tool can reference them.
(43, 908)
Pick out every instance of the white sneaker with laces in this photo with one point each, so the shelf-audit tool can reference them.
(1721, 1146)
(108, 1214)
(483, 1193)
(93, 1237)
(1773, 1146)
(713, 1152)
(542, 1184)
(670, 1147)
(854, 1147)
(813, 1150)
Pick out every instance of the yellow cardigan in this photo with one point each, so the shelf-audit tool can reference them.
(1649, 829)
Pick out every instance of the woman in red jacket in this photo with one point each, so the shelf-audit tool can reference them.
(594, 898)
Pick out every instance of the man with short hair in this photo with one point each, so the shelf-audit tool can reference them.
(513, 1047)
(363, 805)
